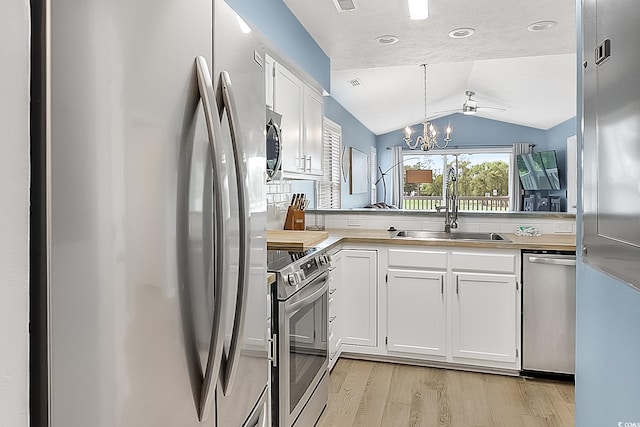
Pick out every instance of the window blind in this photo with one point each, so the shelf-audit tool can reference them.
(329, 187)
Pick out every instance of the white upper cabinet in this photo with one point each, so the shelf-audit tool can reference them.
(313, 120)
(269, 64)
(288, 96)
(302, 110)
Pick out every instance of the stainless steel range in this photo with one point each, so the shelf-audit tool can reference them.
(300, 382)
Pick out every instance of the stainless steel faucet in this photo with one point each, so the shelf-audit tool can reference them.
(451, 205)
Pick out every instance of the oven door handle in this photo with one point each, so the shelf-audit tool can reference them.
(308, 294)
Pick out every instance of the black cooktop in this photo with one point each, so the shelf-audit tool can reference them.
(279, 259)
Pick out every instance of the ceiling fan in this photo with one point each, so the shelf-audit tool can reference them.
(470, 106)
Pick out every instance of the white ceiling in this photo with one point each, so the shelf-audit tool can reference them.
(530, 74)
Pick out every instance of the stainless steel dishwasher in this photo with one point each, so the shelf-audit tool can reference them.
(549, 312)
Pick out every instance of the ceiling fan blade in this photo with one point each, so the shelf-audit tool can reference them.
(457, 110)
(491, 108)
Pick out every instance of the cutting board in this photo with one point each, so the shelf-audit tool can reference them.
(290, 239)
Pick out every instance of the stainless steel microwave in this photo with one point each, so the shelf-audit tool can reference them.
(274, 145)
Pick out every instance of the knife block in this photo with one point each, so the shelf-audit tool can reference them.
(294, 219)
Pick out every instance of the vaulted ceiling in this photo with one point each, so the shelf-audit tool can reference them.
(531, 75)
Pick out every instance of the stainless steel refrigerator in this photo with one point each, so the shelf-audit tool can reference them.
(154, 296)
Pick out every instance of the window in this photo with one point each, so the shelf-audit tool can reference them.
(329, 186)
(483, 179)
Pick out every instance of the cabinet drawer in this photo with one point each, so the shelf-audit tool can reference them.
(332, 309)
(333, 344)
(411, 258)
(488, 262)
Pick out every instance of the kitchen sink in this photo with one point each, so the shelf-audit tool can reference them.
(442, 235)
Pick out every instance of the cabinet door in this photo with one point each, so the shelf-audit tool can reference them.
(288, 101)
(268, 80)
(313, 119)
(485, 317)
(359, 297)
(416, 312)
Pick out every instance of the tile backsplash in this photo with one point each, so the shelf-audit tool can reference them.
(278, 199)
(433, 222)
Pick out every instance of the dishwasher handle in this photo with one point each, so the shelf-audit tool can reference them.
(569, 261)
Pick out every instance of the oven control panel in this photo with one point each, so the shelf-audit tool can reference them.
(300, 272)
(307, 268)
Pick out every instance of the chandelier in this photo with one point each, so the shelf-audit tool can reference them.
(429, 138)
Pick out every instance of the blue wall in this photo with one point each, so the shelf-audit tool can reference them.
(557, 140)
(608, 350)
(274, 19)
(607, 330)
(354, 134)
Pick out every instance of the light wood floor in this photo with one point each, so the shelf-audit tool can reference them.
(385, 394)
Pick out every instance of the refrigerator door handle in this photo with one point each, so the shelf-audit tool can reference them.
(214, 132)
(264, 416)
(239, 155)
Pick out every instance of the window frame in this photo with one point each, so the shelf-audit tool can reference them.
(329, 188)
(507, 150)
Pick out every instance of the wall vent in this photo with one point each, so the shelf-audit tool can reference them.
(354, 82)
(346, 5)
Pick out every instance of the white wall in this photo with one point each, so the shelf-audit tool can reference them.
(14, 210)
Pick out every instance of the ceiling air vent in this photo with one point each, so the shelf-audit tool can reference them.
(354, 82)
(346, 5)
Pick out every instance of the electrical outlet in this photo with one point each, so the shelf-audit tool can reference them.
(564, 227)
(354, 223)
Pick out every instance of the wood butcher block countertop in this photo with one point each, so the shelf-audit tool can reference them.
(290, 239)
(271, 278)
(329, 238)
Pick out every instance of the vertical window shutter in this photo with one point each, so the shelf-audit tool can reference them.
(329, 187)
(373, 169)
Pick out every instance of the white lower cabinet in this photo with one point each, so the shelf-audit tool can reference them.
(335, 317)
(416, 312)
(485, 314)
(459, 306)
(359, 296)
(446, 306)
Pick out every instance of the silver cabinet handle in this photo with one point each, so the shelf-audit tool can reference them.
(568, 261)
(457, 285)
(214, 356)
(442, 285)
(242, 183)
(308, 159)
(332, 318)
(273, 350)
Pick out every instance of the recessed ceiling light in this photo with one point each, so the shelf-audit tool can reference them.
(418, 9)
(387, 39)
(461, 33)
(542, 25)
